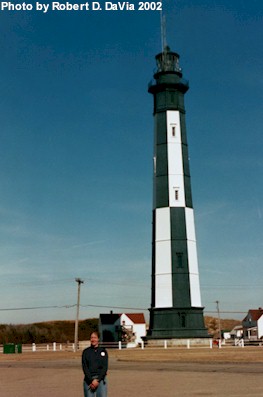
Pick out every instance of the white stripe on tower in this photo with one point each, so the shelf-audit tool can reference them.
(192, 258)
(163, 259)
(175, 160)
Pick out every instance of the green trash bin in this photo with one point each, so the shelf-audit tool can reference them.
(9, 348)
(18, 348)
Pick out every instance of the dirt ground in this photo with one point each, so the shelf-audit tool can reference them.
(172, 373)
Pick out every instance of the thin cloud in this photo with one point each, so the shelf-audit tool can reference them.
(83, 245)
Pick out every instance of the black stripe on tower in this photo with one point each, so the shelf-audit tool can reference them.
(186, 167)
(166, 97)
(178, 223)
(153, 258)
(161, 174)
(161, 128)
(188, 192)
(161, 179)
(180, 267)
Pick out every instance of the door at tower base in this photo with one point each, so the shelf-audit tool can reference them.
(172, 323)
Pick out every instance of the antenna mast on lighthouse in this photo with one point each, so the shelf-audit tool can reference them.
(163, 31)
(163, 36)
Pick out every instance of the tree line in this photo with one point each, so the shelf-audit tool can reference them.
(63, 331)
(46, 332)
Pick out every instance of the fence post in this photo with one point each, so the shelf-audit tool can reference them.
(47, 347)
(188, 343)
(165, 344)
(119, 345)
(54, 346)
(211, 343)
(219, 344)
(60, 347)
(34, 348)
(142, 344)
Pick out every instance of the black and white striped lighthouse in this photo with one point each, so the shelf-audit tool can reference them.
(176, 310)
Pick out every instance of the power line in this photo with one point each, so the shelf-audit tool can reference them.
(37, 308)
(239, 286)
(69, 307)
(224, 311)
(39, 283)
(116, 307)
(106, 307)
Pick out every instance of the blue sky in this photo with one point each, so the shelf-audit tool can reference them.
(76, 155)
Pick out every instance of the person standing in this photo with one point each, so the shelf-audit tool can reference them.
(95, 367)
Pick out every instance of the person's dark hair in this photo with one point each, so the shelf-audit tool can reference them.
(96, 333)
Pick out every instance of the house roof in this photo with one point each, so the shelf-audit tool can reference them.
(111, 318)
(236, 329)
(137, 318)
(254, 314)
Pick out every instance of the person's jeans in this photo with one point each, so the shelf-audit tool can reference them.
(101, 390)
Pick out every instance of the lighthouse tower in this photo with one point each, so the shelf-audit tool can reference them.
(176, 310)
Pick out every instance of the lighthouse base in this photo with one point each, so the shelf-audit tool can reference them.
(179, 342)
(173, 323)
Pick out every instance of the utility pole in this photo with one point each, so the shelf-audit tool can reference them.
(79, 281)
(219, 320)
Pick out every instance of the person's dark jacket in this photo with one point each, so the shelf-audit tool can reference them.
(94, 363)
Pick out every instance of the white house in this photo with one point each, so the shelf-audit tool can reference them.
(125, 327)
(253, 324)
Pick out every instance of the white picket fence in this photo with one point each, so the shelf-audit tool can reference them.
(166, 344)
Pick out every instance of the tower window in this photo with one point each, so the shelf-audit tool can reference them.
(179, 256)
(176, 194)
(173, 130)
(182, 319)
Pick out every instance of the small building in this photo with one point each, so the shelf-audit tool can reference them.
(125, 327)
(253, 324)
(237, 332)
